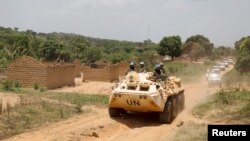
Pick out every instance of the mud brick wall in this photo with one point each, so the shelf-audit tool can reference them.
(78, 68)
(2, 71)
(28, 71)
(59, 76)
(113, 72)
(109, 73)
(95, 74)
(122, 68)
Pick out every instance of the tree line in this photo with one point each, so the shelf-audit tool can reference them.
(194, 47)
(68, 46)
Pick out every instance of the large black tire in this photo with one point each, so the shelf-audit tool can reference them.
(174, 107)
(122, 111)
(182, 101)
(179, 103)
(166, 115)
(114, 112)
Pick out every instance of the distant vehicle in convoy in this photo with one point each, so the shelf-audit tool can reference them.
(222, 67)
(226, 64)
(230, 61)
(216, 67)
(214, 78)
(141, 92)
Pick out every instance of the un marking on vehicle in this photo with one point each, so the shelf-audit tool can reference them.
(133, 102)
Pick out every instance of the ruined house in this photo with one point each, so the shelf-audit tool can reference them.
(107, 73)
(50, 75)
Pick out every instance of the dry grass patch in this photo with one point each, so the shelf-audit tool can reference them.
(30, 113)
(192, 132)
(228, 107)
(188, 72)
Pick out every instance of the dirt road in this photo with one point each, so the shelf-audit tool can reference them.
(98, 126)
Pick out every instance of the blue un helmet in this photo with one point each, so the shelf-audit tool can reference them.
(157, 69)
(157, 66)
(132, 66)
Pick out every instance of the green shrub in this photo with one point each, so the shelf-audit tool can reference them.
(36, 86)
(16, 84)
(6, 85)
(243, 56)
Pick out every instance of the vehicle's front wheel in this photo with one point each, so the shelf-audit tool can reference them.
(174, 107)
(114, 112)
(179, 103)
(166, 115)
(182, 101)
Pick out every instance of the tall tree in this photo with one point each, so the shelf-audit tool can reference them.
(170, 46)
(237, 44)
(53, 50)
(203, 42)
(193, 49)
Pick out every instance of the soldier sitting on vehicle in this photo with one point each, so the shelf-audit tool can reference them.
(142, 68)
(164, 73)
(131, 67)
(157, 72)
(160, 72)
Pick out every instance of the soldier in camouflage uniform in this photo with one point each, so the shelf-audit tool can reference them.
(142, 68)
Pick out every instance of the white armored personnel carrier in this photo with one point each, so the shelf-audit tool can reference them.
(142, 92)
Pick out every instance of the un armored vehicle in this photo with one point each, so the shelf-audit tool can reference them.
(142, 92)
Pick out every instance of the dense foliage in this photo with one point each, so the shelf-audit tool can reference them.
(67, 47)
(198, 46)
(243, 55)
(170, 46)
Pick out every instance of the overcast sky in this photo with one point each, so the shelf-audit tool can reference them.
(222, 21)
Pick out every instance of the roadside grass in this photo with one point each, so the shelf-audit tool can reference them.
(31, 112)
(232, 106)
(37, 108)
(192, 132)
(71, 98)
(236, 80)
(187, 71)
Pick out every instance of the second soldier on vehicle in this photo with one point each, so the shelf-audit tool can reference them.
(142, 68)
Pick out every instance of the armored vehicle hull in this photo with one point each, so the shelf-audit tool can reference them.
(140, 92)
